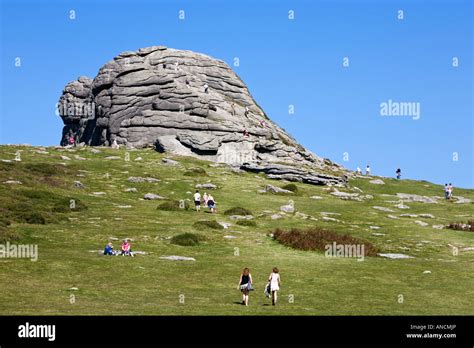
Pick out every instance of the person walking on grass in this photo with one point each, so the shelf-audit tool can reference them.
(367, 170)
(211, 203)
(274, 280)
(245, 285)
(446, 191)
(450, 191)
(399, 173)
(197, 200)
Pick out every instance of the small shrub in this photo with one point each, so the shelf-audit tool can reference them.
(186, 239)
(459, 226)
(33, 217)
(195, 171)
(207, 224)
(174, 205)
(249, 223)
(317, 239)
(45, 169)
(237, 211)
(291, 187)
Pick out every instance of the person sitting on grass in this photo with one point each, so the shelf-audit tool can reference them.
(109, 250)
(211, 203)
(126, 248)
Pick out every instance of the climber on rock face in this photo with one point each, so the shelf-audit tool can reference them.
(176, 66)
(247, 111)
(246, 133)
(206, 88)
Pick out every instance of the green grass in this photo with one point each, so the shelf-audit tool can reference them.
(70, 240)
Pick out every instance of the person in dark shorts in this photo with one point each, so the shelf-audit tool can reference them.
(197, 200)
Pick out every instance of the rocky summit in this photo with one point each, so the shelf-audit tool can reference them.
(185, 103)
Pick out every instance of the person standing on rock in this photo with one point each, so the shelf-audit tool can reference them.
(245, 285)
(367, 170)
(274, 280)
(399, 173)
(197, 200)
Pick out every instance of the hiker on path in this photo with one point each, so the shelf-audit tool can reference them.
(274, 280)
(247, 111)
(245, 285)
(450, 191)
(446, 191)
(211, 203)
(367, 170)
(359, 171)
(205, 198)
(197, 200)
(399, 173)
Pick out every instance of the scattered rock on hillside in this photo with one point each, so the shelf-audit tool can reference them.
(131, 189)
(276, 216)
(276, 189)
(207, 186)
(395, 256)
(65, 158)
(438, 227)
(426, 215)
(462, 200)
(409, 215)
(346, 195)
(416, 198)
(138, 179)
(13, 182)
(78, 184)
(316, 197)
(95, 150)
(152, 196)
(241, 217)
(377, 182)
(388, 210)
(169, 161)
(112, 157)
(177, 258)
(421, 223)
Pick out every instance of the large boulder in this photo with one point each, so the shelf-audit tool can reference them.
(184, 103)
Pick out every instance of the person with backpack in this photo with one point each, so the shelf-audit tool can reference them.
(274, 280)
(245, 285)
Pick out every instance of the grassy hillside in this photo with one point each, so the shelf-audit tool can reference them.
(69, 241)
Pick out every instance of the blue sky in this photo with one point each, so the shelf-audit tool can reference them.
(284, 62)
